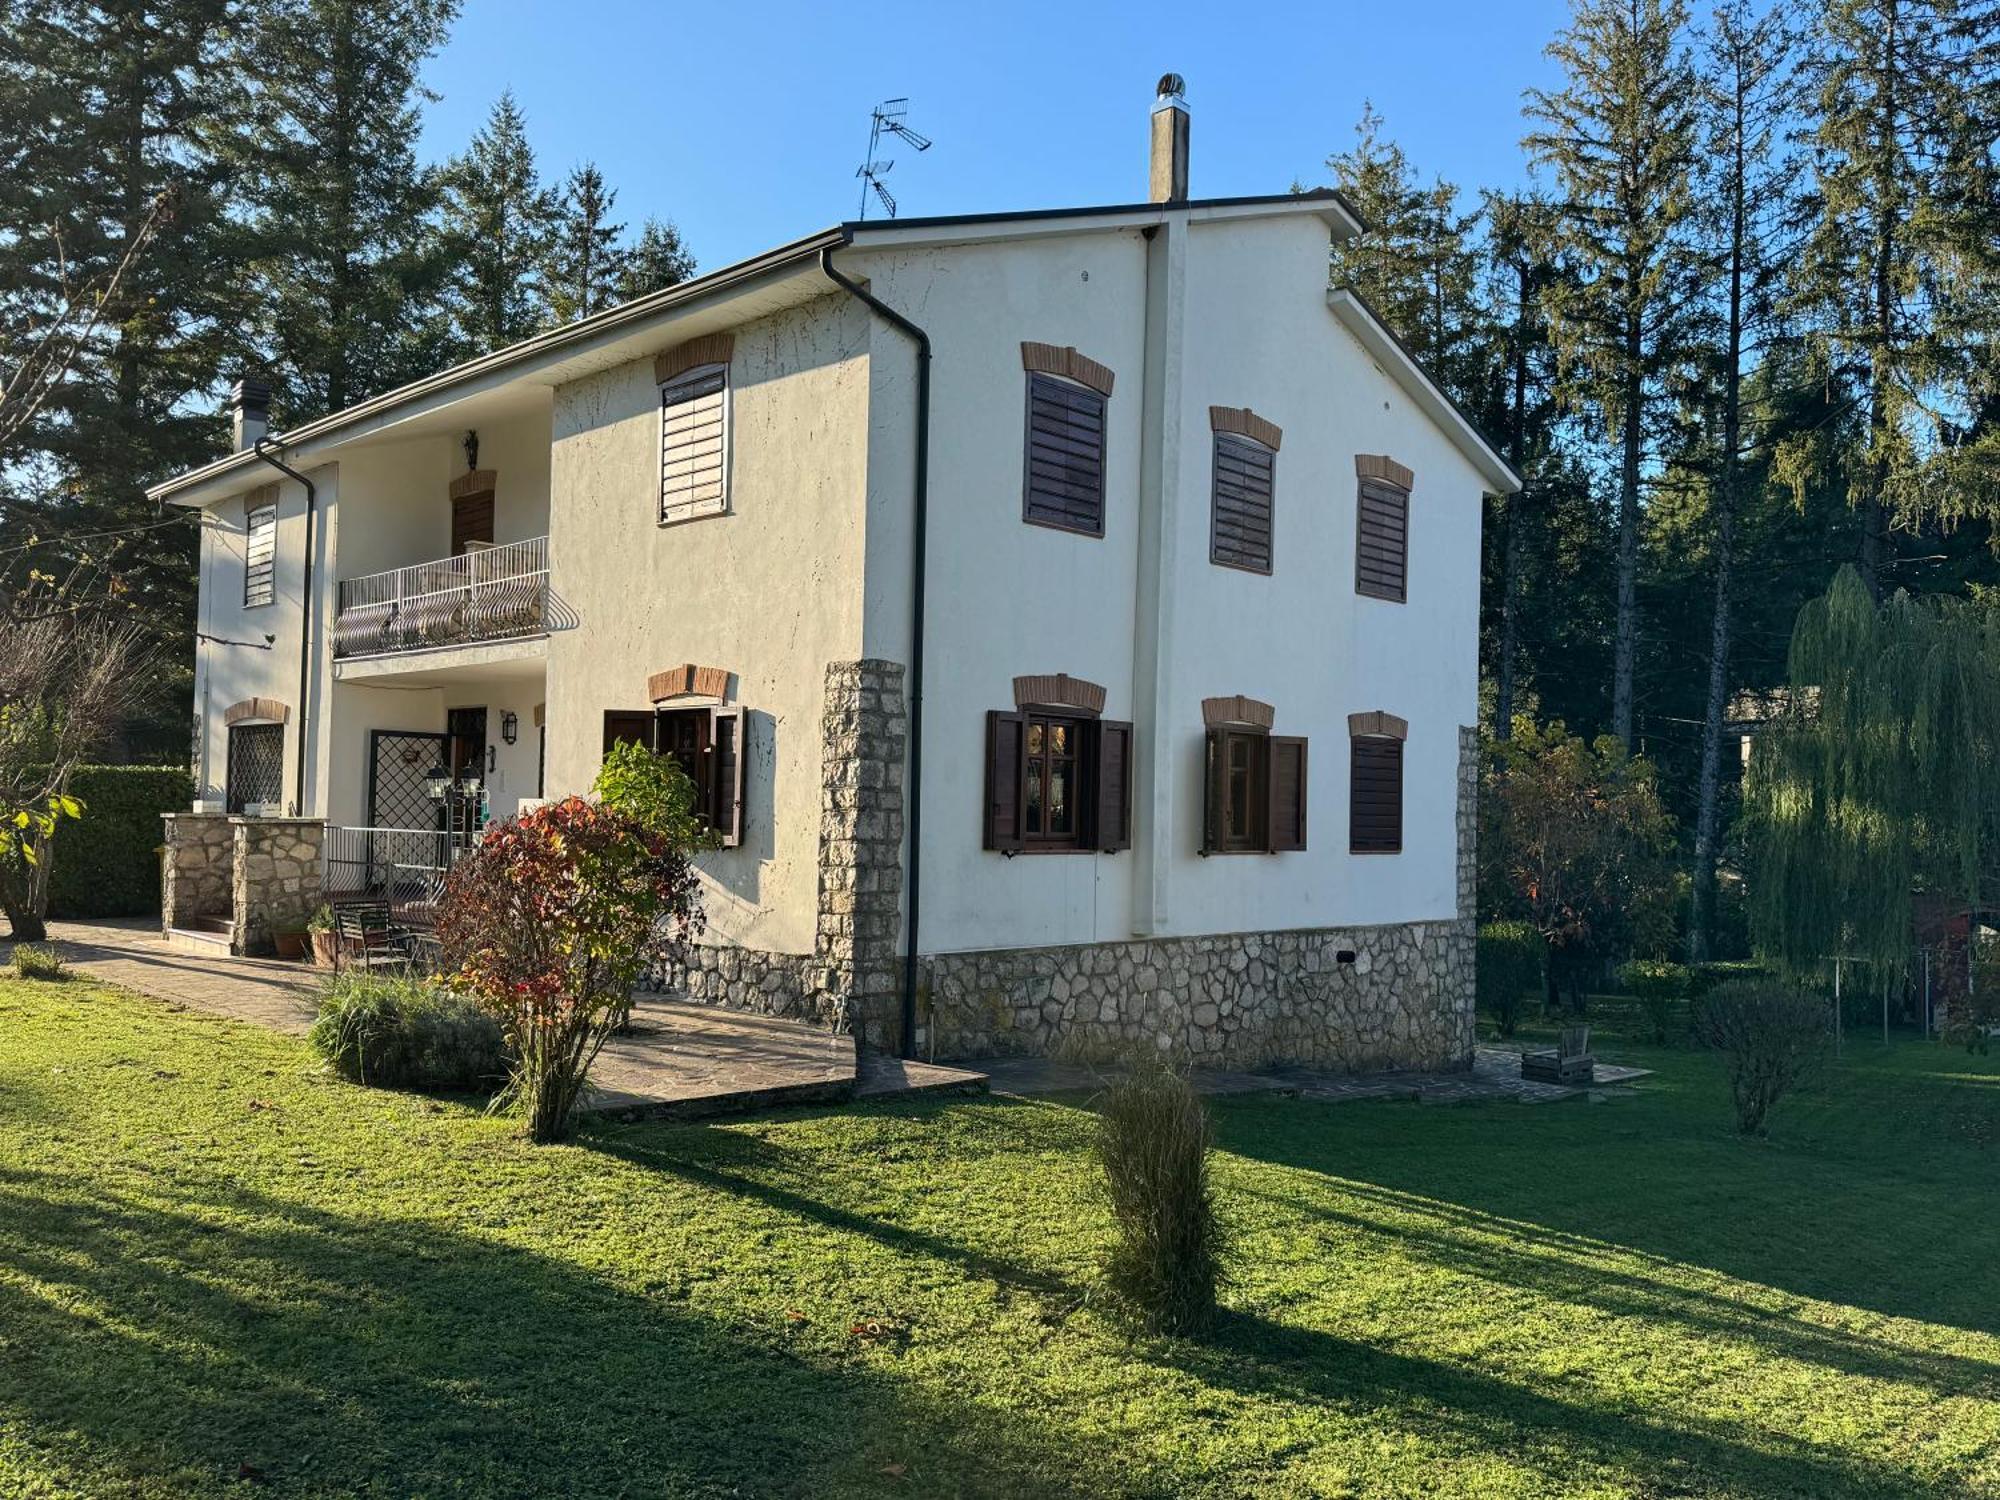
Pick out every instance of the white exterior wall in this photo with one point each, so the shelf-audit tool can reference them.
(770, 591)
(1008, 598)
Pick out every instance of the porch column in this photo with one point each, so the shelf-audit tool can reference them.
(195, 877)
(274, 877)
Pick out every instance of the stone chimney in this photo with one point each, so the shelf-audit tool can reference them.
(1170, 141)
(249, 412)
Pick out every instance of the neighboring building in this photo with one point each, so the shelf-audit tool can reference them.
(1197, 613)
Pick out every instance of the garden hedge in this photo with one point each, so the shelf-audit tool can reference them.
(108, 864)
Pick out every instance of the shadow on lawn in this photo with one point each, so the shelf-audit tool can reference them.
(171, 1337)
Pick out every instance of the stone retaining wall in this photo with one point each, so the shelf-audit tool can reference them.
(261, 873)
(195, 878)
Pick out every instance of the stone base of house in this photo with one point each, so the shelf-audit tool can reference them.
(1239, 1000)
(793, 985)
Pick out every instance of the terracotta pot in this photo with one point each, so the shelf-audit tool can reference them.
(322, 947)
(290, 945)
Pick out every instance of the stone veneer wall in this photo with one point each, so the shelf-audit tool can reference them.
(1235, 1000)
(850, 976)
(196, 876)
(275, 879)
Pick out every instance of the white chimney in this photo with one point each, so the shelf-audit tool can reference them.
(1170, 141)
(249, 412)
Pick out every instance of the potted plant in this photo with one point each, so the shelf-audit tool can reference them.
(320, 928)
(290, 942)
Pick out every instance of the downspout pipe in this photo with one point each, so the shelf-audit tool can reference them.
(268, 450)
(920, 519)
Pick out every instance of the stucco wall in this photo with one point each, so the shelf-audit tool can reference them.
(771, 591)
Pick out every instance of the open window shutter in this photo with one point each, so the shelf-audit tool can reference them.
(725, 736)
(1004, 769)
(1114, 786)
(1213, 795)
(1287, 791)
(1376, 795)
(628, 726)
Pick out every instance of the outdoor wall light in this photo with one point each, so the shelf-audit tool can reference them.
(492, 758)
(510, 726)
(437, 781)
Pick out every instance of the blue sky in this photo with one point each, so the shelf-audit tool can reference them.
(745, 123)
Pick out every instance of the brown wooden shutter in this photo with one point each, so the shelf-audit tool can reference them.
(1214, 791)
(1005, 765)
(1239, 522)
(471, 520)
(260, 555)
(694, 443)
(1065, 456)
(1286, 788)
(725, 736)
(1375, 795)
(1113, 786)
(1381, 552)
(628, 726)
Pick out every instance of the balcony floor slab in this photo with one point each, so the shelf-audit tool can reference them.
(523, 658)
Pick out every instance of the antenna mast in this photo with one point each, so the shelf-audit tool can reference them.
(886, 119)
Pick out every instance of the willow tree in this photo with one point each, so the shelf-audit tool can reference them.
(1882, 781)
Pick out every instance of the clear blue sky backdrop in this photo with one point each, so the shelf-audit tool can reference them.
(745, 122)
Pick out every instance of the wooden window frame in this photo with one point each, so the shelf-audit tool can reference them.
(679, 380)
(260, 581)
(1269, 829)
(1228, 444)
(1372, 489)
(1075, 841)
(1042, 378)
(1102, 761)
(717, 777)
(1374, 749)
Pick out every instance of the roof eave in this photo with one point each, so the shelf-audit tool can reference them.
(1380, 340)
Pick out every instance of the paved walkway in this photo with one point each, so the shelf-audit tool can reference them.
(679, 1059)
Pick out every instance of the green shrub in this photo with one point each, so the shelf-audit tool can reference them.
(400, 1031)
(1772, 1038)
(1509, 970)
(107, 864)
(1707, 976)
(1153, 1140)
(1660, 988)
(38, 961)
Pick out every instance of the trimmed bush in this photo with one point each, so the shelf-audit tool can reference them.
(1153, 1140)
(39, 961)
(1660, 988)
(401, 1031)
(1772, 1038)
(1707, 976)
(107, 864)
(1510, 969)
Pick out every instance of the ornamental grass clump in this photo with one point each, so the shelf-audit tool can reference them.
(1153, 1139)
(39, 961)
(550, 920)
(1772, 1038)
(405, 1031)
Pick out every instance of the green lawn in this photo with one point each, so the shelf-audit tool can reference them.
(212, 1255)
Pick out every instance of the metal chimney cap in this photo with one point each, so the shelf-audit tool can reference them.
(1170, 86)
(251, 394)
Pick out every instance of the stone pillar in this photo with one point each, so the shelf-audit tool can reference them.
(1461, 966)
(864, 732)
(1468, 823)
(195, 877)
(274, 877)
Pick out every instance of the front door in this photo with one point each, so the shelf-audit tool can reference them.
(471, 521)
(256, 765)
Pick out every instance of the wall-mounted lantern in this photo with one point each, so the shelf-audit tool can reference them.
(510, 726)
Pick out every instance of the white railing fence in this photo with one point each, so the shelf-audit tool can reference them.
(486, 594)
(400, 864)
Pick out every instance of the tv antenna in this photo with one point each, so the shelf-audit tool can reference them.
(887, 119)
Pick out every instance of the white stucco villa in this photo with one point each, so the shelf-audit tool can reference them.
(1070, 618)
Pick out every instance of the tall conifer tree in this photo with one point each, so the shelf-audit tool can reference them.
(498, 220)
(586, 258)
(1618, 137)
(659, 260)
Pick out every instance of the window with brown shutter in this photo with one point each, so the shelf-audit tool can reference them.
(260, 554)
(1381, 553)
(1064, 484)
(694, 443)
(1239, 526)
(1255, 791)
(1057, 783)
(1375, 795)
(708, 743)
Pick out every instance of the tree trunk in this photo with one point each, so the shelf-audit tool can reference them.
(1628, 538)
(1510, 564)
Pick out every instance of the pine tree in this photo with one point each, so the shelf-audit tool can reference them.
(1414, 263)
(586, 261)
(659, 260)
(340, 242)
(1748, 99)
(498, 219)
(1898, 271)
(1619, 139)
(114, 111)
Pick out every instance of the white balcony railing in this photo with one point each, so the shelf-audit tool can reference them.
(399, 863)
(487, 594)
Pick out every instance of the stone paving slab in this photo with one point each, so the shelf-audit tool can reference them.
(1495, 1075)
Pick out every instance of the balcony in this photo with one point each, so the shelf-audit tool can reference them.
(490, 593)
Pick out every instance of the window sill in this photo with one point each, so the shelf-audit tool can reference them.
(1095, 536)
(1047, 849)
(708, 515)
(1374, 853)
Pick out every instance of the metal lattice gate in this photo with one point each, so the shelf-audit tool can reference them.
(256, 765)
(398, 762)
